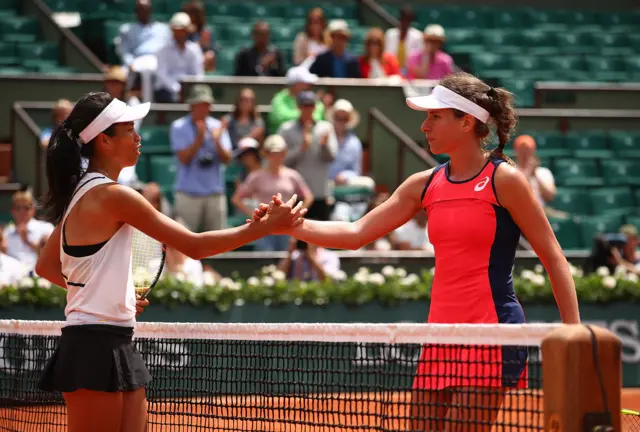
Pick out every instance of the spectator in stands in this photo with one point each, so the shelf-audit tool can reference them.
(346, 169)
(540, 178)
(313, 40)
(61, 110)
(432, 63)
(375, 62)
(413, 235)
(261, 59)
(615, 249)
(245, 121)
(11, 270)
(265, 182)
(143, 37)
(201, 33)
(337, 62)
(404, 41)
(312, 148)
(179, 58)
(284, 106)
(383, 243)
(307, 262)
(202, 147)
(115, 83)
(26, 235)
(152, 192)
(248, 153)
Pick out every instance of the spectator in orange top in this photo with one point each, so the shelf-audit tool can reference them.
(376, 63)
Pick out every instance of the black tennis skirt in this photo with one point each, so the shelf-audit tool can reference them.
(96, 357)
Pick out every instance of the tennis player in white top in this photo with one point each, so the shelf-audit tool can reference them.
(96, 365)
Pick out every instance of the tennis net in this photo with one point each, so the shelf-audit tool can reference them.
(303, 377)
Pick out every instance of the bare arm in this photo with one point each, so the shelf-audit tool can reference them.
(517, 197)
(396, 211)
(48, 265)
(126, 205)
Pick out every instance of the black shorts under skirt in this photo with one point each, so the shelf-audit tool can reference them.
(95, 357)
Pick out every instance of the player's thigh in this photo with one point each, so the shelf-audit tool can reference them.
(95, 411)
(429, 409)
(215, 213)
(474, 409)
(134, 411)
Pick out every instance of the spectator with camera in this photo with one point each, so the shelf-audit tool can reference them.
(202, 146)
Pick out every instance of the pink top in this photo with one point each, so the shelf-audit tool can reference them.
(441, 66)
(262, 185)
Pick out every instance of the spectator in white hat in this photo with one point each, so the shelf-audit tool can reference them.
(284, 106)
(179, 58)
(432, 63)
(337, 62)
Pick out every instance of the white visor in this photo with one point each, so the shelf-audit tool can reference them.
(442, 97)
(116, 112)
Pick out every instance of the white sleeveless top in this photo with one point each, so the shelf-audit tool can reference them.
(99, 286)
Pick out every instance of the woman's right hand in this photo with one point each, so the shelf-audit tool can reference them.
(283, 216)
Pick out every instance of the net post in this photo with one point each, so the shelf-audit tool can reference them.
(573, 390)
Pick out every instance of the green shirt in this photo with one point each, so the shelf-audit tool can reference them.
(285, 108)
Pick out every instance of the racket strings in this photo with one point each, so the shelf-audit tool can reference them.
(146, 260)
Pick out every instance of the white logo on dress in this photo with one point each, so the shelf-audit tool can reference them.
(481, 185)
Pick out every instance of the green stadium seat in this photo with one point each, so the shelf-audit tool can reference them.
(12, 70)
(463, 37)
(609, 69)
(612, 200)
(142, 168)
(613, 44)
(568, 233)
(550, 144)
(508, 18)
(241, 10)
(632, 64)
(592, 225)
(633, 220)
(625, 144)
(572, 200)
(576, 43)
(577, 172)
(621, 172)
(299, 10)
(503, 41)
(565, 64)
(283, 35)
(155, 139)
(39, 51)
(445, 16)
(341, 11)
(225, 61)
(62, 5)
(240, 32)
(523, 90)
(352, 193)
(8, 54)
(526, 65)
(540, 42)
(589, 144)
(37, 65)
(491, 64)
(9, 4)
(615, 19)
(162, 170)
(18, 25)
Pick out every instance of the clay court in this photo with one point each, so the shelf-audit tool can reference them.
(331, 412)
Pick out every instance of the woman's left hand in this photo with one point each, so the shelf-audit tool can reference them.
(140, 304)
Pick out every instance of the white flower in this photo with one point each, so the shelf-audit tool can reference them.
(376, 279)
(575, 271)
(364, 270)
(538, 279)
(43, 283)
(180, 276)
(297, 301)
(400, 272)
(175, 294)
(538, 268)
(269, 269)
(527, 274)
(253, 281)
(26, 282)
(239, 302)
(388, 271)
(609, 282)
(208, 278)
(410, 279)
(632, 277)
(279, 275)
(268, 281)
(229, 284)
(433, 271)
(361, 277)
(603, 271)
(339, 275)
(620, 271)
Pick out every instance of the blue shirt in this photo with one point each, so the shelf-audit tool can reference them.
(348, 159)
(175, 64)
(137, 39)
(339, 67)
(193, 179)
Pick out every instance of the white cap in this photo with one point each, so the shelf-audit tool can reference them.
(346, 106)
(434, 31)
(180, 20)
(339, 25)
(275, 143)
(116, 112)
(300, 74)
(246, 143)
(442, 97)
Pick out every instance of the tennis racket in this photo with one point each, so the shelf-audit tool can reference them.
(630, 420)
(147, 262)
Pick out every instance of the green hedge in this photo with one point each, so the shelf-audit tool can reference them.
(390, 287)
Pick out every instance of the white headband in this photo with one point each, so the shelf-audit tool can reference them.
(116, 112)
(442, 97)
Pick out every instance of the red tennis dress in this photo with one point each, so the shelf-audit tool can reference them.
(475, 241)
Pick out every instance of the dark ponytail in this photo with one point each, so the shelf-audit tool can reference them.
(66, 151)
(497, 101)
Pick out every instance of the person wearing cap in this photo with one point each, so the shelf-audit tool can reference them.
(145, 37)
(179, 58)
(540, 178)
(262, 58)
(202, 146)
(284, 106)
(312, 148)
(432, 63)
(61, 110)
(266, 182)
(337, 62)
(478, 204)
(96, 365)
(248, 154)
(404, 41)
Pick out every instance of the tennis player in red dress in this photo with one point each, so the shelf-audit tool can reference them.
(478, 204)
